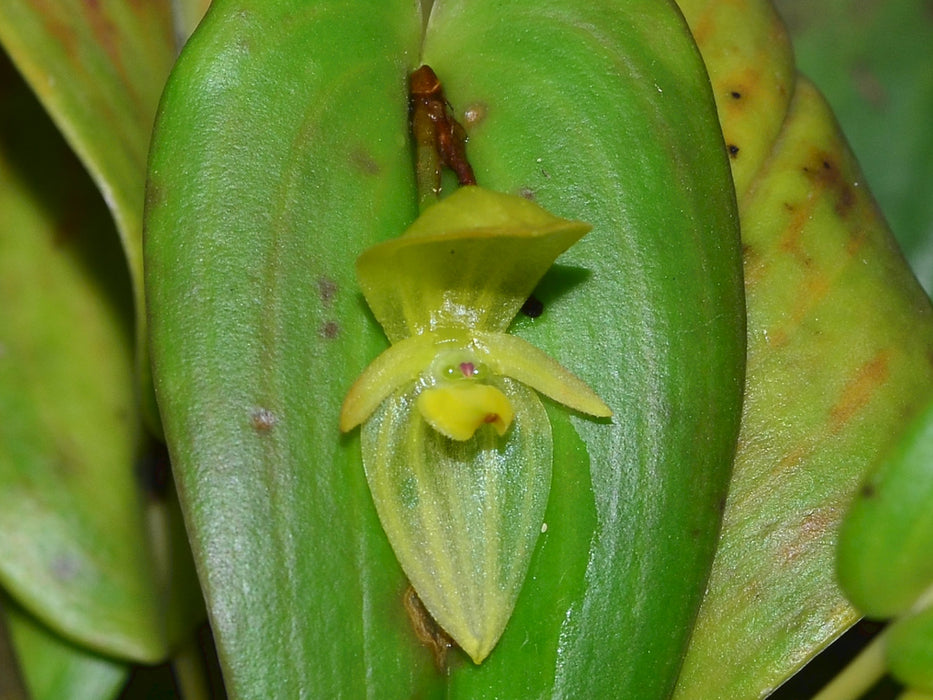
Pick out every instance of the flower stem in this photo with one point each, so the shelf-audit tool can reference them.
(862, 673)
(439, 139)
(190, 674)
(12, 686)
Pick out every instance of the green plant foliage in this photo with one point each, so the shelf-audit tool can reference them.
(884, 563)
(295, 120)
(910, 649)
(873, 62)
(98, 69)
(73, 519)
(885, 544)
(839, 340)
(53, 668)
(282, 153)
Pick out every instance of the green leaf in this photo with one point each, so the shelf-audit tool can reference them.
(872, 61)
(578, 106)
(884, 563)
(74, 536)
(98, 68)
(839, 346)
(53, 668)
(259, 328)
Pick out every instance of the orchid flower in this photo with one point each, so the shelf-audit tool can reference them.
(456, 442)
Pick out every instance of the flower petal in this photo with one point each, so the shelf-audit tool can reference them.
(511, 356)
(398, 365)
(459, 409)
(462, 516)
(469, 261)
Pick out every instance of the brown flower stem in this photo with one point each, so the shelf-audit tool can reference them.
(439, 139)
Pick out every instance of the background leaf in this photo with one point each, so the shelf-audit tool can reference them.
(874, 63)
(839, 345)
(98, 68)
(74, 530)
(53, 668)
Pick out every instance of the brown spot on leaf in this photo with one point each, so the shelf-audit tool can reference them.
(155, 193)
(810, 532)
(330, 330)
(733, 151)
(527, 193)
(823, 171)
(791, 242)
(859, 390)
(65, 567)
(869, 86)
(363, 162)
(263, 420)
(844, 201)
(426, 629)
(474, 114)
(735, 95)
(327, 290)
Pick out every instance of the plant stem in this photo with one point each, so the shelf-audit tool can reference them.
(190, 675)
(862, 673)
(12, 686)
(439, 139)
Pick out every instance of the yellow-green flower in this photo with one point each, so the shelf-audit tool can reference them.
(456, 442)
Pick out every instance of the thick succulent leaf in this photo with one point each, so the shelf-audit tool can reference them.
(839, 343)
(470, 261)
(73, 518)
(600, 113)
(462, 516)
(52, 668)
(259, 330)
(98, 68)
(884, 563)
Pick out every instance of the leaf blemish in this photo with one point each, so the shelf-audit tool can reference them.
(330, 330)
(327, 290)
(263, 420)
(474, 114)
(363, 162)
(426, 629)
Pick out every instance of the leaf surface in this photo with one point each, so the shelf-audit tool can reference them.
(52, 668)
(281, 153)
(74, 536)
(839, 340)
(98, 68)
